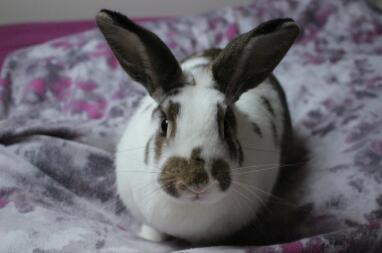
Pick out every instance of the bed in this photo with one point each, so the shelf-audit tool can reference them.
(64, 103)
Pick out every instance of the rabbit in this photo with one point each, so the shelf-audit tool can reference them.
(204, 147)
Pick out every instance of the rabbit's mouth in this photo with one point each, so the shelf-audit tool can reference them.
(190, 180)
(201, 194)
(210, 195)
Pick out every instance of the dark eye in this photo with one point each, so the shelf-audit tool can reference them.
(164, 126)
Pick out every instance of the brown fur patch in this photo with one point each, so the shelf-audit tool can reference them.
(240, 156)
(220, 120)
(286, 139)
(257, 129)
(275, 134)
(227, 128)
(221, 172)
(195, 155)
(173, 92)
(232, 147)
(159, 143)
(230, 119)
(147, 147)
(178, 172)
(268, 105)
(172, 114)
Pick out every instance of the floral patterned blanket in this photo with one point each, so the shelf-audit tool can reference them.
(64, 103)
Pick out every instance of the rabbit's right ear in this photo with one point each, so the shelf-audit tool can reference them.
(141, 53)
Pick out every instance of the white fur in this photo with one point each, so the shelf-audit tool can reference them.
(151, 234)
(191, 63)
(220, 213)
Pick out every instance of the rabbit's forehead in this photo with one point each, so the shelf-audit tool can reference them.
(197, 71)
(196, 118)
(197, 101)
(196, 113)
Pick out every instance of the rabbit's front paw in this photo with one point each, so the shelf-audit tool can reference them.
(151, 234)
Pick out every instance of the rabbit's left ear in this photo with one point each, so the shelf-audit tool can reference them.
(250, 58)
(141, 53)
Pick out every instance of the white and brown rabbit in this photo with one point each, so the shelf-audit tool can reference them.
(185, 165)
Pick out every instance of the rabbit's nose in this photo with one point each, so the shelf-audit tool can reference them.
(197, 189)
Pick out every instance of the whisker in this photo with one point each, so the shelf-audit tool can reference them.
(111, 206)
(242, 204)
(254, 194)
(141, 171)
(133, 149)
(266, 165)
(156, 189)
(257, 166)
(150, 182)
(251, 192)
(270, 195)
(241, 194)
(261, 149)
(149, 195)
(260, 169)
(127, 149)
(117, 204)
(254, 171)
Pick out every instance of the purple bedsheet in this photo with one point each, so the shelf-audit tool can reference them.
(63, 106)
(16, 36)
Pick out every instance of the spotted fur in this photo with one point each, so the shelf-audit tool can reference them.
(172, 114)
(257, 129)
(275, 133)
(227, 128)
(268, 106)
(221, 172)
(159, 143)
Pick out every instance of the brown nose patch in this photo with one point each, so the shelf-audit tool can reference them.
(178, 172)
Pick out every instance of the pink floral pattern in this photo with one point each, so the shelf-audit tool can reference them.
(63, 105)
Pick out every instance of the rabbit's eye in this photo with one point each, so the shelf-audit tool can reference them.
(164, 126)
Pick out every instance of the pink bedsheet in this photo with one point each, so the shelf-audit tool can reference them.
(16, 36)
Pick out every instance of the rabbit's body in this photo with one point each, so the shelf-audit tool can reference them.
(260, 131)
(202, 153)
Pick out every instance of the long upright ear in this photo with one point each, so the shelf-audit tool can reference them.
(141, 53)
(250, 58)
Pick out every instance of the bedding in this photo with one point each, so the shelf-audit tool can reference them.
(17, 36)
(22, 35)
(63, 106)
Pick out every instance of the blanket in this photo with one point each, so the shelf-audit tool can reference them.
(65, 103)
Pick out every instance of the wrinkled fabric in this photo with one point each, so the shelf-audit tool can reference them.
(64, 104)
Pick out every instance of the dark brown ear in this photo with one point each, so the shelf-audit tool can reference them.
(250, 58)
(141, 53)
